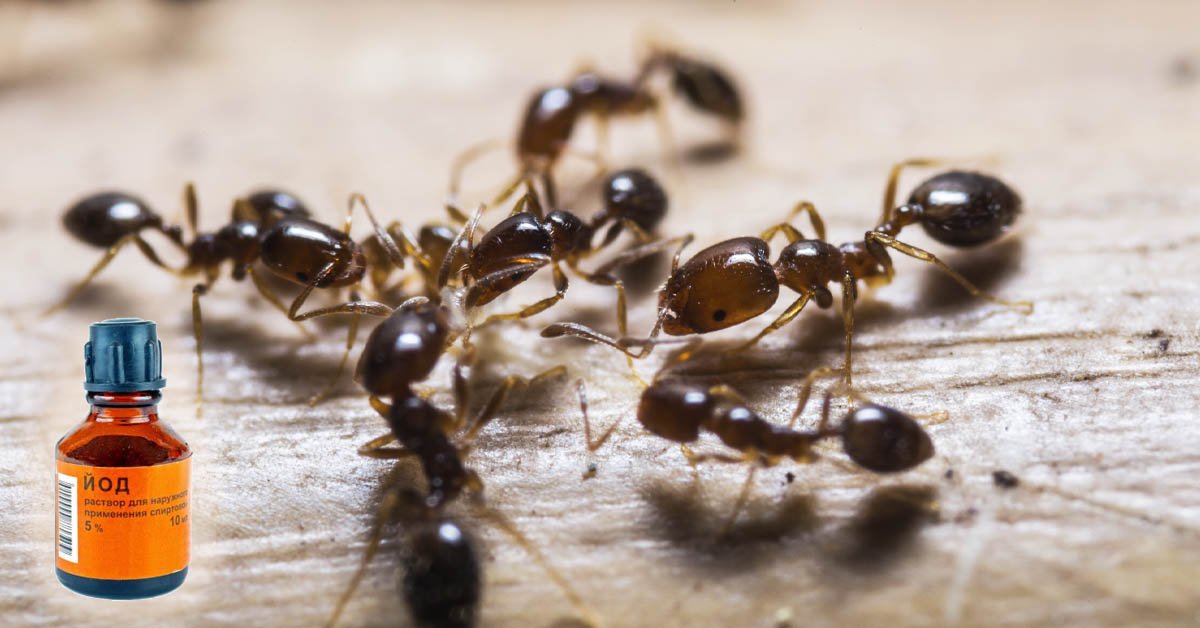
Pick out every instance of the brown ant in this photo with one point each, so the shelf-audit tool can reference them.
(875, 437)
(552, 113)
(400, 352)
(268, 226)
(530, 239)
(733, 281)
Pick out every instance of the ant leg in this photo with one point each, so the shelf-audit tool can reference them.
(581, 331)
(806, 393)
(198, 291)
(510, 189)
(190, 205)
(592, 445)
(694, 459)
(371, 308)
(793, 234)
(389, 509)
(502, 392)
(468, 234)
(926, 256)
(459, 164)
(622, 308)
(645, 250)
(740, 503)
(560, 291)
(274, 299)
(103, 262)
(350, 336)
(376, 448)
(510, 529)
(849, 296)
(411, 248)
(380, 406)
(786, 317)
(889, 192)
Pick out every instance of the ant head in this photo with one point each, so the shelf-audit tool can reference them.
(634, 195)
(568, 234)
(404, 348)
(724, 285)
(675, 410)
(965, 208)
(442, 575)
(884, 439)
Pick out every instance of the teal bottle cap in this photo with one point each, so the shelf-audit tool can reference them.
(122, 355)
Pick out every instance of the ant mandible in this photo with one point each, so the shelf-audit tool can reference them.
(733, 281)
(400, 352)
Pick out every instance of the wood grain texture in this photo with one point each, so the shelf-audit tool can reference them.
(1089, 109)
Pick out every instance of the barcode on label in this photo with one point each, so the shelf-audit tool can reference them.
(68, 510)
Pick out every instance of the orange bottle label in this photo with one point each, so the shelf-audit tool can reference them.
(123, 523)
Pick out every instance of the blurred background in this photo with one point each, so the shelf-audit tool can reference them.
(1088, 108)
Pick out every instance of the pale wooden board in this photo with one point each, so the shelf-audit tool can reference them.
(1086, 107)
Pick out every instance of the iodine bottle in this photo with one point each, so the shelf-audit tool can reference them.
(122, 485)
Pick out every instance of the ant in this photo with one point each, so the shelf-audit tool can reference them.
(268, 226)
(875, 437)
(403, 350)
(530, 239)
(733, 281)
(552, 113)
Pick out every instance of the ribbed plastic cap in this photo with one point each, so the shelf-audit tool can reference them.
(123, 355)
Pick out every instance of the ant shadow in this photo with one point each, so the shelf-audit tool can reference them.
(681, 516)
(987, 268)
(884, 529)
(882, 532)
(713, 152)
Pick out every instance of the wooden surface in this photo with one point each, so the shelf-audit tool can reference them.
(1089, 109)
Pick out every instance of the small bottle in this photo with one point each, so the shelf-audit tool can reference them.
(123, 475)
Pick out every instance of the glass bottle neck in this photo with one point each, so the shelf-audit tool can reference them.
(124, 407)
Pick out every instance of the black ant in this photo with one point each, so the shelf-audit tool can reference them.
(733, 281)
(552, 113)
(875, 437)
(268, 226)
(400, 352)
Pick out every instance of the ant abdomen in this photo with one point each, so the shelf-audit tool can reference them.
(299, 250)
(707, 88)
(965, 209)
(270, 206)
(633, 195)
(103, 219)
(442, 577)
(721, 286)
(403, 349)
(884, 440)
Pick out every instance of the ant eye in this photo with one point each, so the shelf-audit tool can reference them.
(719, 315)
(302, 277)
